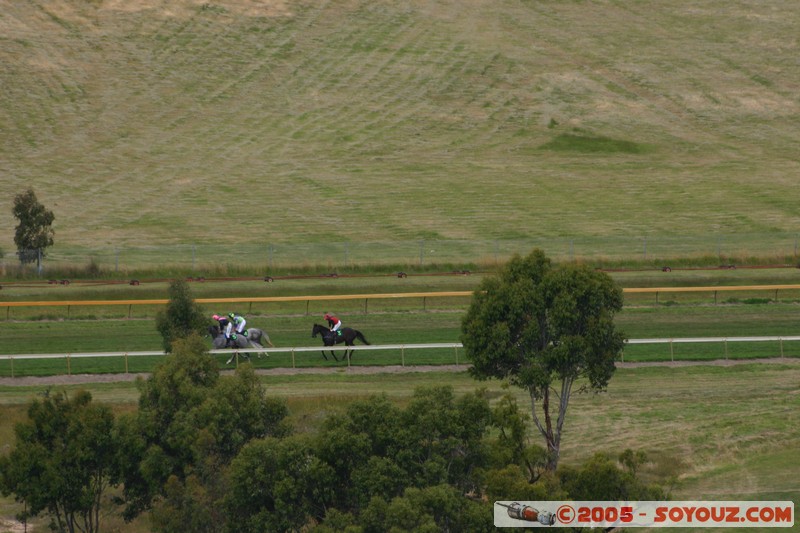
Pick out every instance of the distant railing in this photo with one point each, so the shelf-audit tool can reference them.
(366, 297)
(246, 299)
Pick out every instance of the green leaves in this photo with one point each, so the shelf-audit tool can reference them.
(190, 425)
(182, 317)
(63, 459)
(536, 324)
(34, 232)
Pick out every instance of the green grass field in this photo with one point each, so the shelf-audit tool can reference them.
(397, 323)
(237, 138)
(668, 130)
(109, 328)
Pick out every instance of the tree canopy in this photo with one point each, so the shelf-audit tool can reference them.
(182, 316)
(34, 233)
(63, 460)
(190, 425)
(543, 328)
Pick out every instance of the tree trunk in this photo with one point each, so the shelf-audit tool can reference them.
(552, 439)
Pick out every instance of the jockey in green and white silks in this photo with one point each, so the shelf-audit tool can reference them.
(236, 326)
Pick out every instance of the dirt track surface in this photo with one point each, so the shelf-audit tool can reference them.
(77, 379)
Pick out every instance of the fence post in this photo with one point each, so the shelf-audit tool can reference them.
(69, 369)
(726, 349)
(671, 351)
(126, 362)
(12, 367)
(293, 359)
(402, 355)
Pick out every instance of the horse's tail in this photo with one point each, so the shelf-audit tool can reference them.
(361, 337)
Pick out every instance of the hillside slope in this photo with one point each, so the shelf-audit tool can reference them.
(175, 121)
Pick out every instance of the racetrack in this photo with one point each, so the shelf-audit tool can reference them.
(77, 379)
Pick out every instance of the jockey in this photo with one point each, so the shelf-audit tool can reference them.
(333, 323)
(236, 325)
(224, 327)
(222, 321)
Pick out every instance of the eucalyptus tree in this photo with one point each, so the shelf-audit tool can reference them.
(34, 233)
(545, 329)
(63, 460)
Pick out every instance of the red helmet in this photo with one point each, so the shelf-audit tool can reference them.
(327, 316)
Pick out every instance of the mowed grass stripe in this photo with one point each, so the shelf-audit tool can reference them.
(207, 97)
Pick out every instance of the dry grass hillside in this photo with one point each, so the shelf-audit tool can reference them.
(175, 121)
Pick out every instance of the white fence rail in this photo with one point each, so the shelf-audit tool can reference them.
(233, 352)
(401, 347)
(725, 340)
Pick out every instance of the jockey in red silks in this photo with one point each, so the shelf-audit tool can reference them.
(333, 323)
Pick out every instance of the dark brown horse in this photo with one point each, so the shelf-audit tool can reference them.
(331, 338)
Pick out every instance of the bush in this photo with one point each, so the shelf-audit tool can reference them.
(182, 316)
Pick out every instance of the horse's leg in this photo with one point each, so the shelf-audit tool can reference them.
(257, 345)
(323, 355)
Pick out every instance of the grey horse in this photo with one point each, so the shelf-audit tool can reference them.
(259, 337)
(219, 342)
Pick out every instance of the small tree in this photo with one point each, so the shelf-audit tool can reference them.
(190, 424)
(62, 461)
(181, 318)
(539, 326)
(34, 232)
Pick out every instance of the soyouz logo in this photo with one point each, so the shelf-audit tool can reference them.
(644, 514)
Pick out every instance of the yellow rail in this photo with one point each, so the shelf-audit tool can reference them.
(252, 299)
(712, 289)
(377, 296)
(247, 299)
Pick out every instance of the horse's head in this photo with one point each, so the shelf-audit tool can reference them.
(316, 329)
(214, 331)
